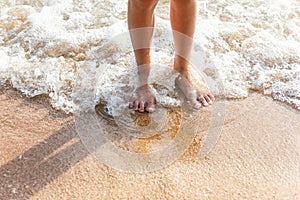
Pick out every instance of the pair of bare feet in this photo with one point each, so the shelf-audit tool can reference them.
(192, 86)
(141, 20)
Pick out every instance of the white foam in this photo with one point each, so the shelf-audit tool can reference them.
(59, 47)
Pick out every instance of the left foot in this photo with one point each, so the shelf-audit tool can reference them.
(194, 89)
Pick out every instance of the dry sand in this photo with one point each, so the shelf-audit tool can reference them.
(257, 157)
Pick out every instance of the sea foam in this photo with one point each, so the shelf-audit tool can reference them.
(58, 47)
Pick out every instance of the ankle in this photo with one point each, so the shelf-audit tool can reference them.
(143, 72)
(181, 69)
(181, 65)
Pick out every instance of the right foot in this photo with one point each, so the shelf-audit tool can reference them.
(142, 100)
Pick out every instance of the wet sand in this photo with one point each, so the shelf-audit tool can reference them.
(257, 157)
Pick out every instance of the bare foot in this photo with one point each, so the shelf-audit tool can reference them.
(194, 89)
(143, 99)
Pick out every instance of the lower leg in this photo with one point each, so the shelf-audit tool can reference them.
(183, 21)
(140, 24)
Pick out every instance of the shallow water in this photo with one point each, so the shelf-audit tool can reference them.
(53, 47)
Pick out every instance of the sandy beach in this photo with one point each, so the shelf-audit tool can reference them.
(256, 157)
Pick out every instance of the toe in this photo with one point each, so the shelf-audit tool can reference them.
(202, 100)
(195, 104)
(142, 106)
(208, 99)
(150, 107)
(211, 96)
(136, 105)
(130, 105)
